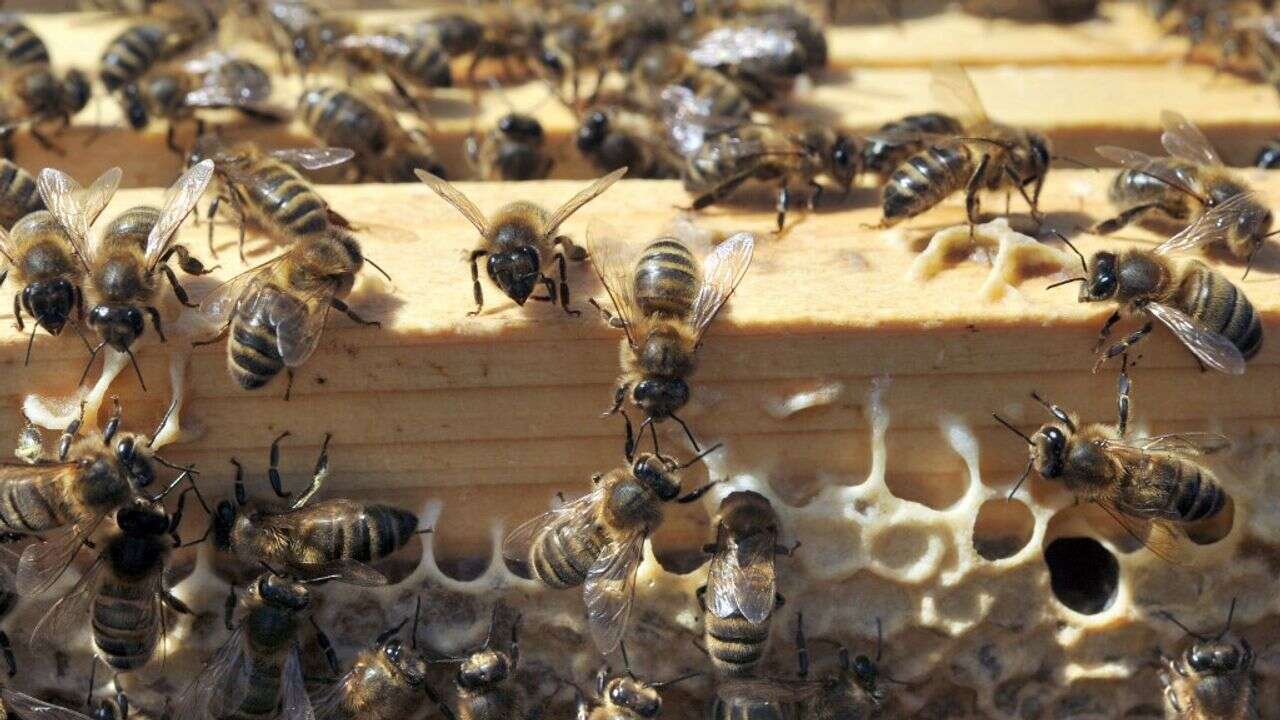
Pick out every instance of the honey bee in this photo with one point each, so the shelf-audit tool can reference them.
(275, 313)
(42, 255)
(895, 141)
(333, 537)
(614, 137)
(485, 680)
(624, 697)
(1155, 480)
(991, 156)
(664, 301)
(19, 196)
(762, 59)
(512, 150)
(20, 45)
(17, 706)
(410, 62)
(90, 478)
(457, 33)
(124, 594)
(665, 66)
(176, 93)
(1212, 679)
(142, 45)
(509, 32)
(300, 28)
(1192, 185)
(521, 241)
(1206, 311)
(598, 538)
(257, 673)
(33, 95)
(385, 682)
(264, 188)
(384, 150)
(851, 693)
(129, 257)
(742, 587)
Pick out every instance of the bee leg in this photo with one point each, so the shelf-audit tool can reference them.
(802, 649)
(1022, 190)
(7, 649)
(288, 387)
(476, 292)
(69, 434)
(155, 316)
(1106, 227)
(972, 205)
(815, 194)
(318, 475)
(239, 482)
(434, 697)
(178, 290)
(174, 603)
(1123, 346)
(17, 310)
(1122, 396)
(229, 609)
(564, 288)
(784, 202)
(273, 470)
(46, 143)
(221, 334)
(1105, 332)
(697, 493)
(122, 700)
(330, 655)
(719, 192)
(6, 142)
(343, 308)
(190, 265)
(575, 252)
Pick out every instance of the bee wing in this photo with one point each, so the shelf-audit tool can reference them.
(42, 563)
(1160, 537)
(223, 682)
(610, 588)
(25, 706)
(1213, 349)
(383, 42)
(67, 616)
(1184, 140)
(721, 599)
(75, 207)
(579, 512)
(454, 197)
(721, 273)
(221, 302)
(690, 120)
(294, 703)
(314, 158)
(178, 204)
(1188, 443)
(298, 329)
(248, 85)
(1213, 225)
(953, 89)
(732, 45)
(755, 582)
(582, 198)
(614, 259)
(766, 690)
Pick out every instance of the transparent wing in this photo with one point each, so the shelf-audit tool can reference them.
(43, 563)
(610, 588)
(352, 572)
(386, 43)
(70, 613)
(294, 703)
(299, 326)
(613, 258)
(755, 584)
(953, 89)
(221, 302)
(25, 707)
(733, 45)
(1213, 225)
(455, 198)
(1185, 141)
(333, 513)
(690, 119)
(178, 203)
(314, 158)
(1166, 171)
(721, 272)
(1213, 349)
(240, 85)
(223, 682)
(75, 207)
(1187, 443)
(736, 691)
(583, 197)
(1159, 537)
(579, 514)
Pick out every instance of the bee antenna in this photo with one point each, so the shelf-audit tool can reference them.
(1068, 281)
(493, 621)
(688, 433)
(413, 634)
(1074, 249)
(173, 407)
(1015, 430)
(137, 370)
(1170, 617)
(93, 355)
(378, 267)
(268, 568)
(31, 341)
(1080, 163)
(1055, 411)
(626, 661)
(1023, 478)
(674, 680)
(1248, 265)
(1231, 613)
(699, 456)
(879, 639)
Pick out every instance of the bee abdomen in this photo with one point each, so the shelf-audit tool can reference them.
(264, 691)
(1198, 496)
(735, 644)
(289, 201)
(24, 509)
(1219, 305)
(341, 118)
(20, 46)
(131, 54)
(372, 534)
(666, 279)
(252, 354)
(925, 179)
(560, 558)
(19, 195)
(883, 154)
(124, 625)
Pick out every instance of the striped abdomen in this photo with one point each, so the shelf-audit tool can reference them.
(1131, 188)
(20, 46)
(735, 644)
(341, 530)
(32, 505)
(253, 355)
(280, 200)
(130, 228)
(898, 140)
(1184, 491)
(126, 625)
(560, 557)
(926, 179)
(342, 119)
(131, 54)
(1209, 298)
(743, 706)
(264, 691)
(666, 279)
(422, 64)
(19, 195)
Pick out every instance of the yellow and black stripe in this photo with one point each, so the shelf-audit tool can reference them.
(926, 179)
(1209, 298)
(666, 279)
(126, 627)
(131, 54)
(343, 119)
(371, 533)
(20, 46)
(277, 197)
(19, 195)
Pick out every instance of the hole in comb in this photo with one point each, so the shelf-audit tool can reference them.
(1083, 574)
(935, 491)
(1002, 528)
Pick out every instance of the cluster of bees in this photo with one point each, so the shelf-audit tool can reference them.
(687, 90)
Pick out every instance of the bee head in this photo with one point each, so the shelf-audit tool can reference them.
(405, 661)
(1103, 280)
(1049, 450)
(845, 161)
(135, 462)
(634, 695)
(865, 673)
(521, 128)
(164, 91)
(142, 518)
(1219, 657)
(483, 669)
(458, 34)
(135, 110)
(50, 302)
(516, 272)
(440, 73)
(283, 592)
(224, 519)
(659, 397)
(76, 90)
(118, 324)
(656, 473)
(744, 512)
(1040, 157)
(594, 131)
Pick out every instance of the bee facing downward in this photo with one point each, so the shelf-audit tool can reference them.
(385, 682)
(624, 697)
(665, 300)
(1212, 679)
(521, 241)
